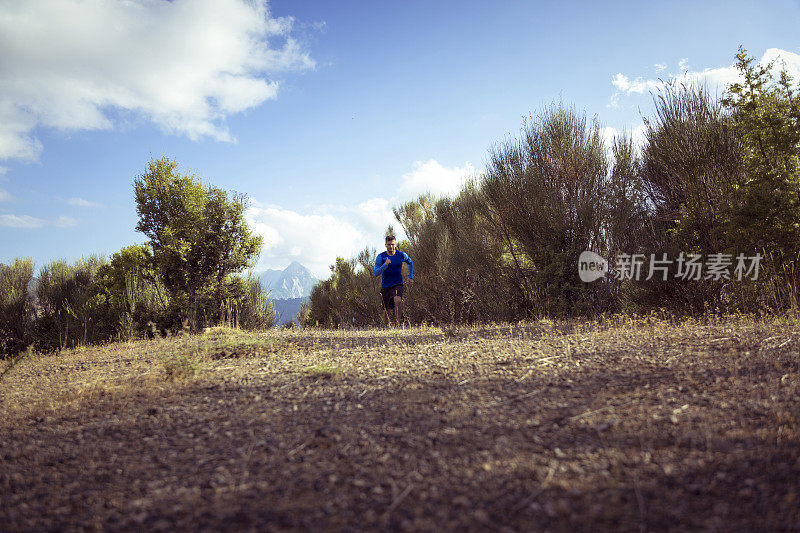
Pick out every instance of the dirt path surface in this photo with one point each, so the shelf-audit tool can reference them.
(620, 426)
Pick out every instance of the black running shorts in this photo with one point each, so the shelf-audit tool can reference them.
(388, 294)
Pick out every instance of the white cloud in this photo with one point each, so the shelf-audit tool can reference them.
(316, 239)
(29, 222)
(4, 196)
(15, 126)
(660, 67)
(65, 222)
(80, 202)
(609, 134)
(24, 221)
(185, 65)
(781, 59)
(639, 85)
(716, 80)
(431, 176)
(636, 134)
(374, 215)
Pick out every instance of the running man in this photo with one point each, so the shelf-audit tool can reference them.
(389, 265)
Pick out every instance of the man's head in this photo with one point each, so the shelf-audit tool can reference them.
(391, 244)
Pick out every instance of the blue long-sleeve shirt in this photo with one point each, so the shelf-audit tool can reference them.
(393, 272)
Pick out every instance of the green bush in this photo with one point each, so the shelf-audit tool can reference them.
(552, 194)
(350, 298)
(459, 275)
(691, 169)
(16, 307)
(72, 307)
(247, 305)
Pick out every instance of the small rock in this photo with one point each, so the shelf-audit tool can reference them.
(608, 424)
(462, 501)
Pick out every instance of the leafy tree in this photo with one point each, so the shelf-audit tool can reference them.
(766, 115)
(198, 234)
(235, 246)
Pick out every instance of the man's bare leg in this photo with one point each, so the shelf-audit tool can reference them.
(398, 311)
(386, 315)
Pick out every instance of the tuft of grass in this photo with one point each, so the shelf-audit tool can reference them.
(181, 366)
(222, 342)
(323, 371)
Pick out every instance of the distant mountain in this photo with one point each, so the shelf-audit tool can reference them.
(33, 285)
(295, 281)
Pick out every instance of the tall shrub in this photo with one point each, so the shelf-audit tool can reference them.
(72, 308)
(457, 260)
(691, 169)
(545, 192)
(248, 305)
(134, 291)
(15, 306)
(349, 298)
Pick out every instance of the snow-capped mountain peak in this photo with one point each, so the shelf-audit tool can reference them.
(295, 281)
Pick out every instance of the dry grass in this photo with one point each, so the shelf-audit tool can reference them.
(625, 424)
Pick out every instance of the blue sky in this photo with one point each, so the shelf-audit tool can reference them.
(325, 113)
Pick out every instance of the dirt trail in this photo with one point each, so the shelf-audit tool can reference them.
(631, 426)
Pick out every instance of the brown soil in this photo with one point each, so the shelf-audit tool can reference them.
(626, 425)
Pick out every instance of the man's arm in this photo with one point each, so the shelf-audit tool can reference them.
(410, 266)
(379, 267)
